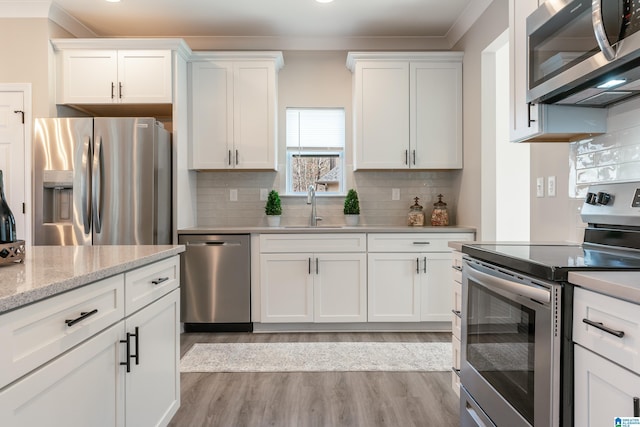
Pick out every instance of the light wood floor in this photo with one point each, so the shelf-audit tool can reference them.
(300, 399)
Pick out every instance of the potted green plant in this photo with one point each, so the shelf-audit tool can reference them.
(351, 208)
(273, 209)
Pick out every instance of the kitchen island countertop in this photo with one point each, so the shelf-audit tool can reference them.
(50, 270)
(623, 285)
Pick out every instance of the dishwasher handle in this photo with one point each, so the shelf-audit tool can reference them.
(215, 243)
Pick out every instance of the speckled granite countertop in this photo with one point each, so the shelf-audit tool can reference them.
(327, 229)
(50, 270)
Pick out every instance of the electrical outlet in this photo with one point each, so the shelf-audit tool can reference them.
(540, 186)
(264, 193)
(233, 195)
(395, 194)
(551, 186)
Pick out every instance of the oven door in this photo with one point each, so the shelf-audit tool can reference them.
(510, 353)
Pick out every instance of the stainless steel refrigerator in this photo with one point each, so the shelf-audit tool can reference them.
(101, 181)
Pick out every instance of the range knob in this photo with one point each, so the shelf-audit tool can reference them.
(603, 198)
(591, 198)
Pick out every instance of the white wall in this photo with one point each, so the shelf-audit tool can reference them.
(493, 22)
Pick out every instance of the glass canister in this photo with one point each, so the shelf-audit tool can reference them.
(416, 214)
(440, 215)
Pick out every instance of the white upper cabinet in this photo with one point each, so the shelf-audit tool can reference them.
(233, 105)
(111, 77)
(407, 110)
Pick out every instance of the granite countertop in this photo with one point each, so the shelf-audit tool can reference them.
(50, 270)
(623, 285)
(325, 229)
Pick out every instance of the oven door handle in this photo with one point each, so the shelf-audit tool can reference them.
(516, 288)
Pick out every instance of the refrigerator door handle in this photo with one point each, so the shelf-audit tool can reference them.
(85, 187)
(98, 162)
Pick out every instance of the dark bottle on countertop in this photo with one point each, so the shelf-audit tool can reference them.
(7, 220)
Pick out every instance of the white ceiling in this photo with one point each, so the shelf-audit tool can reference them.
(275, 18)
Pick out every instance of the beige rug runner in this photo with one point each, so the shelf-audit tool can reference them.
(317, 357)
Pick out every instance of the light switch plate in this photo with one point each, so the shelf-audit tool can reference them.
(233, 195)
(395, 194)
(540, 186)
(264, 193)
(551, 186)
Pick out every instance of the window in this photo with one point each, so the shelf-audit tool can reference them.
(315, 150)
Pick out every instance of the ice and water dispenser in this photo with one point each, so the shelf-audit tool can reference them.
(57, 206)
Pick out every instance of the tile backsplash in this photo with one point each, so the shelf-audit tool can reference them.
(613, 157)
(374, 192)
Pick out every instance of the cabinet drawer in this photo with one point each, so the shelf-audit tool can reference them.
(455, 365)
(611, 313)
(336, 242)
(37, 333)
(148, 283)
(412, 242)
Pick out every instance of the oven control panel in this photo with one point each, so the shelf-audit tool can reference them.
(614, 203)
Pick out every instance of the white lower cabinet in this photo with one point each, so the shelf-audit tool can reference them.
(308, 287)
(84, 387)
(126, 373)
(603, 390)
(152, 387)
(313, 278)
(409, 287)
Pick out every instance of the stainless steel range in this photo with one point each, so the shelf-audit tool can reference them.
(517, 351)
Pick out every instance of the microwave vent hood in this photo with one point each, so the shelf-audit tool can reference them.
(594, 93)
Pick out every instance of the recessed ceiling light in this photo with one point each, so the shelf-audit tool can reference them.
(324, 1)
(113, 1)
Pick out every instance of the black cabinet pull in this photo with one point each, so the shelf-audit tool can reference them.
(417, 265)
(457, 371)
(599, 325)
(317, 267)
(421, 243)
(229, 157)
(159, 280)
(309, 265)
(425, 265)
(83, 315)
(636, 407)
(529, 119)
(457, 313)
(120, 90)
(137, 355)
(237, 158)
(113, 87)
(406, 157)
(127, 363)
(456, 267)
(414, 157)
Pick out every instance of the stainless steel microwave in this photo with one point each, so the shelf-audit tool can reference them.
(583, 52)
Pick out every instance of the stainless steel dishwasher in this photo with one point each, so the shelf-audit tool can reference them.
(215, 273)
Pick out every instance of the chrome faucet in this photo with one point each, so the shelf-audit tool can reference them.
(311, 200)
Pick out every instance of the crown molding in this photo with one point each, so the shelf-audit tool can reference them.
(69, 22)
(465, 21)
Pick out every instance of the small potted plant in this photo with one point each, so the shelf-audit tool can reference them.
(273, 209)
(351, 208)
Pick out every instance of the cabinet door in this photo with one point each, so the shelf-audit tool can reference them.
(211, 115)
(520, 112)
(144, 76)
(254, 89)
(603, 390)
(153, 385)
(436, 115)
(89, 77)
(436, 287)
(381, 104)
(340, 287)
(286, 283)
(84, 387)
(394, 287)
